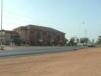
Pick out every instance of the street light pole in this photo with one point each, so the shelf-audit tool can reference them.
(1, 13)
(1, 48)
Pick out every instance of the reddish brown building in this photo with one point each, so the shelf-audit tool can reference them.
(39, 35)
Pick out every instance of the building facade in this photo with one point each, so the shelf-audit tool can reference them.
(7, 37)
(38, 35)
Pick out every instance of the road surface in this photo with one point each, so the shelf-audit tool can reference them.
(35, 50)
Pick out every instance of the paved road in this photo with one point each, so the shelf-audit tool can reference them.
(35, 50)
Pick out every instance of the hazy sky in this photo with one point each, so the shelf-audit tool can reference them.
(74, 17)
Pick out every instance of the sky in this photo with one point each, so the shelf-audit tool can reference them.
(76, 18)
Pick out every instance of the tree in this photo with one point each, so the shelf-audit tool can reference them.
(66, 41)
(99, 40)
(73, 41)
(16, 40)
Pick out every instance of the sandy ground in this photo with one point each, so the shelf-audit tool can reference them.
(85, 62)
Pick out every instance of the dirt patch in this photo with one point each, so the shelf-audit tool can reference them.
(85, 62)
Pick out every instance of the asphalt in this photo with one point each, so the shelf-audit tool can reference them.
(20, 51)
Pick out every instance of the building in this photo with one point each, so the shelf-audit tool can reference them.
(39, 35)
(7, 37)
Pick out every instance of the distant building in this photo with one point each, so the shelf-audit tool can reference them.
(39, 35)
(84, 41)
(7, 37)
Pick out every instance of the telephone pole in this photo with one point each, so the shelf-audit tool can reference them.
(1, 13)
(1, 47)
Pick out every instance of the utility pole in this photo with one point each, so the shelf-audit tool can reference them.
(85, 30)
(1, 13)
(1, 47)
